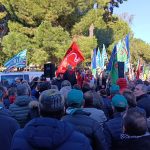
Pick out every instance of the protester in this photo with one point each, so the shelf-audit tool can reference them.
(114, 89)
(107, 107)
(12, 93)
(132, 103)
(42, 86)
(95, 113)
(33, 109)
(20, 108)
(34, 89)
(58, 80)
(136, 135)
(81, 120)
(77, 87)
(6, 101)
(88, 77)
(122, 82)
(47, 132)
(97, 99)
(8, 126)
(70, 75)
(143, 99)
(113, 128)
(85, 87)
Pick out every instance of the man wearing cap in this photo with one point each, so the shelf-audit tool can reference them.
(113, 128)
(47, 132)
(81, 120)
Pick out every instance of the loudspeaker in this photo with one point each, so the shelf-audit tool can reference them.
(49, 70)
(121, 69)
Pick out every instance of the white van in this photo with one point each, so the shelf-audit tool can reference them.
(10, 77)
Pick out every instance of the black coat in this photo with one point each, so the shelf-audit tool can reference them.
(143, 101)
(70, 77)
(89, 127)
(135, 143)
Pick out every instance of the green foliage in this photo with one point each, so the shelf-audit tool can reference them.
(45, 28)
(13, 43)
(53, 40)
(140, 49)
(87, 44)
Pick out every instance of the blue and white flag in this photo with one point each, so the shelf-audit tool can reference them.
(98, 59)
(104, 57)
(18, 61)
(93, 63)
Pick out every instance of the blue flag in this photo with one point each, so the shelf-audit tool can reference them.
(112, 58)
(93, 63)
(113, 66)
(98, 59)
(127, 45)
(18, 61)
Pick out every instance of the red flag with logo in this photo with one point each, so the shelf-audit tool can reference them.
(72, 57)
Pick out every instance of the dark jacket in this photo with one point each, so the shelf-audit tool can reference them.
(134, 143)
(57, 82)
(20, 109)
(8, 126)
(107, 107)
(143, 101)
(5, 111)
(49, 134)
(89, 127)
(112, 131)
(70, 76)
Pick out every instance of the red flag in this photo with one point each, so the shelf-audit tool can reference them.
(72, 57)
(139, 68)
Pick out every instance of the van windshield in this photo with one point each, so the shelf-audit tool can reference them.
(9, 79)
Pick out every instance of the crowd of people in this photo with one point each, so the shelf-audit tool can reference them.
(75, 111)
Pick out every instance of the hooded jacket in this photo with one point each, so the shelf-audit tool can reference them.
(49, 134)
(20, 109)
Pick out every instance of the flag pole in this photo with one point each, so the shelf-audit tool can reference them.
(26, 61)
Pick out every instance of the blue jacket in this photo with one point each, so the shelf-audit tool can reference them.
(8, 126)
(107, 107)
(49, 134)
(20, 109)
(113, 130)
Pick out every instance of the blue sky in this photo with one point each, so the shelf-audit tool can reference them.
(141, 22)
